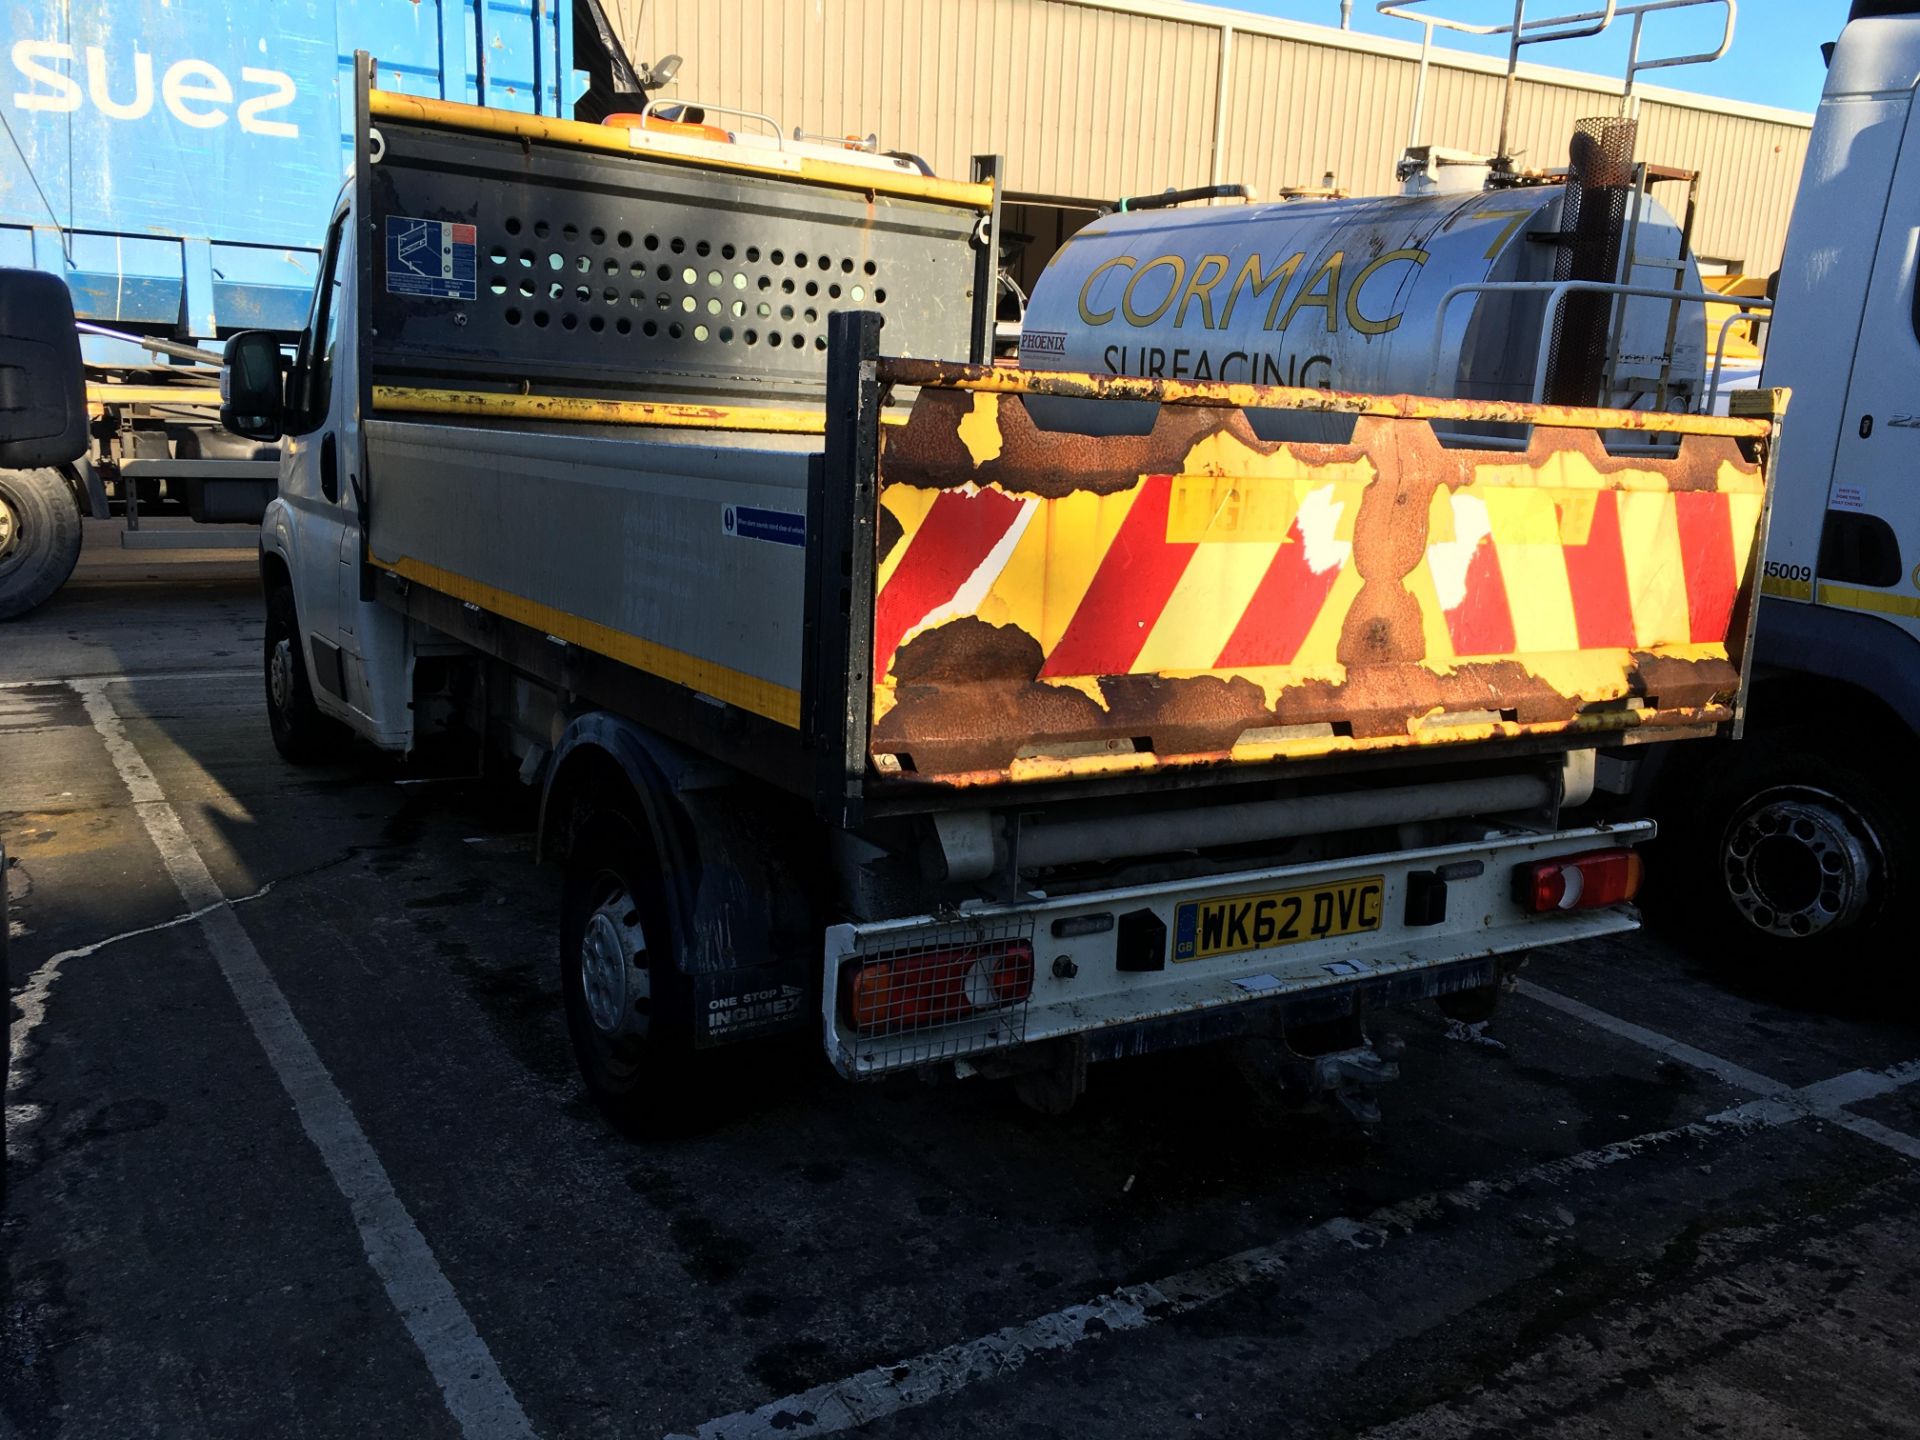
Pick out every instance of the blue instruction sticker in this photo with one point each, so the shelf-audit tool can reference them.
(433, 258)
(779, 527)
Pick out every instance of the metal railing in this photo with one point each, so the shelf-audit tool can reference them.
(654, 108)
(1754, 318)
(1543, 30)
(1556, 292)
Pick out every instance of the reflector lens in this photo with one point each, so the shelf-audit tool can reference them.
(1580, 882)
(890, 994)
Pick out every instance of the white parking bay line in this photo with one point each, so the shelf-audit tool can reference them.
(1738, 1076)
(225, 672)
(1826, 1100)
(475, 1392)
(888, 1389)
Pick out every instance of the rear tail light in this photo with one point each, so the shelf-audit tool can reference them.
(1579, 882)
(912, 991)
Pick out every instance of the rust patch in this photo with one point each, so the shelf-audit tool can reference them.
(1390, 539)
(928, 452)
(969, 699)
(1695, 465)
(947, 374)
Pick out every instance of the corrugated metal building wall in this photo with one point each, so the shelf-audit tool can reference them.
(1116, 97)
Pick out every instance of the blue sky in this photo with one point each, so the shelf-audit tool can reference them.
(1775, 59)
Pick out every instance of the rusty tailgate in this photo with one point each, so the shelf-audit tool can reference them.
(1050, 602)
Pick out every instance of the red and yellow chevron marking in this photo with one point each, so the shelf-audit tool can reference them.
(1244, 565)
(1181, 574)
(1541, 571)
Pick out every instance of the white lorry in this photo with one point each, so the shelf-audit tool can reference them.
(990, 719)
(1800, 846)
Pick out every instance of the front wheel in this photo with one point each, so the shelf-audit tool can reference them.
(301, 734)
(39, 538)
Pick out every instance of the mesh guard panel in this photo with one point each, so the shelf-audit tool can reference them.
(1599, 186)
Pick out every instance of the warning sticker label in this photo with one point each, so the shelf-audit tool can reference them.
(776, 527)
(754, 1010)
(431, 258)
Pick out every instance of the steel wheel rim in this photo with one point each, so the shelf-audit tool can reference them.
(1799, 862)
(613, 974)
(13, 532)
(280, 674)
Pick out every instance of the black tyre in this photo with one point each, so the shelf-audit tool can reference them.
(625, 1004)
(39, 538)
(301, 733)
(1786, 859)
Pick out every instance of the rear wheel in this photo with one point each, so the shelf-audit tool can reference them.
(625, 1012)
(39, 538)
(1795, 858)
(301, 734)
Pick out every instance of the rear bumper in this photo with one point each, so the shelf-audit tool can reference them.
(1078, 988)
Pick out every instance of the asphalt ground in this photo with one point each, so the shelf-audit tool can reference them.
(297, 1148)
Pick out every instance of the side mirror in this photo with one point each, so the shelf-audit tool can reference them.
(43, 390)
(253, 386)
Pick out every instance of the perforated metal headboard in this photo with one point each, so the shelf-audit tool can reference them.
(512, 252)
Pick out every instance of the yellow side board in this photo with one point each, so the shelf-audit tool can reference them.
(447, 114)
(583, 410)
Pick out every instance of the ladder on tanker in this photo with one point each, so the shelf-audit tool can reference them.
(1638, 376)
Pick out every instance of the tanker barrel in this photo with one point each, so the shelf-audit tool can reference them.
(1340, 294)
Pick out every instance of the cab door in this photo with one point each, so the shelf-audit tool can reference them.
(359, 652)
(1869, 555)
(311, 477)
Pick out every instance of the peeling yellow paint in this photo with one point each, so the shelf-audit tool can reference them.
(980, 429)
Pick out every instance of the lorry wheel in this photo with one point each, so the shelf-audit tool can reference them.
(1796, 859)
(617, 977)
(301, 734)
(39, 538)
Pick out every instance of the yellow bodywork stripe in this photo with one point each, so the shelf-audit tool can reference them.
(153, 394)
(579, 410)
(749, 692)
(1879, 601)
(388, 105)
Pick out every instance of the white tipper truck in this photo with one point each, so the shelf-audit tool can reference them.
(982, 719)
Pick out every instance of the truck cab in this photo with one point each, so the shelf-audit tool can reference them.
(349, 665)
(1800, 845)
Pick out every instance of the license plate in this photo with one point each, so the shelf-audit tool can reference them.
(1237, 923)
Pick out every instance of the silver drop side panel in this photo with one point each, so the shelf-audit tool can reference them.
(674, 546)
(1353, 295)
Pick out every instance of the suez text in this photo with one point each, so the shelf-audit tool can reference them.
(194, 92)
